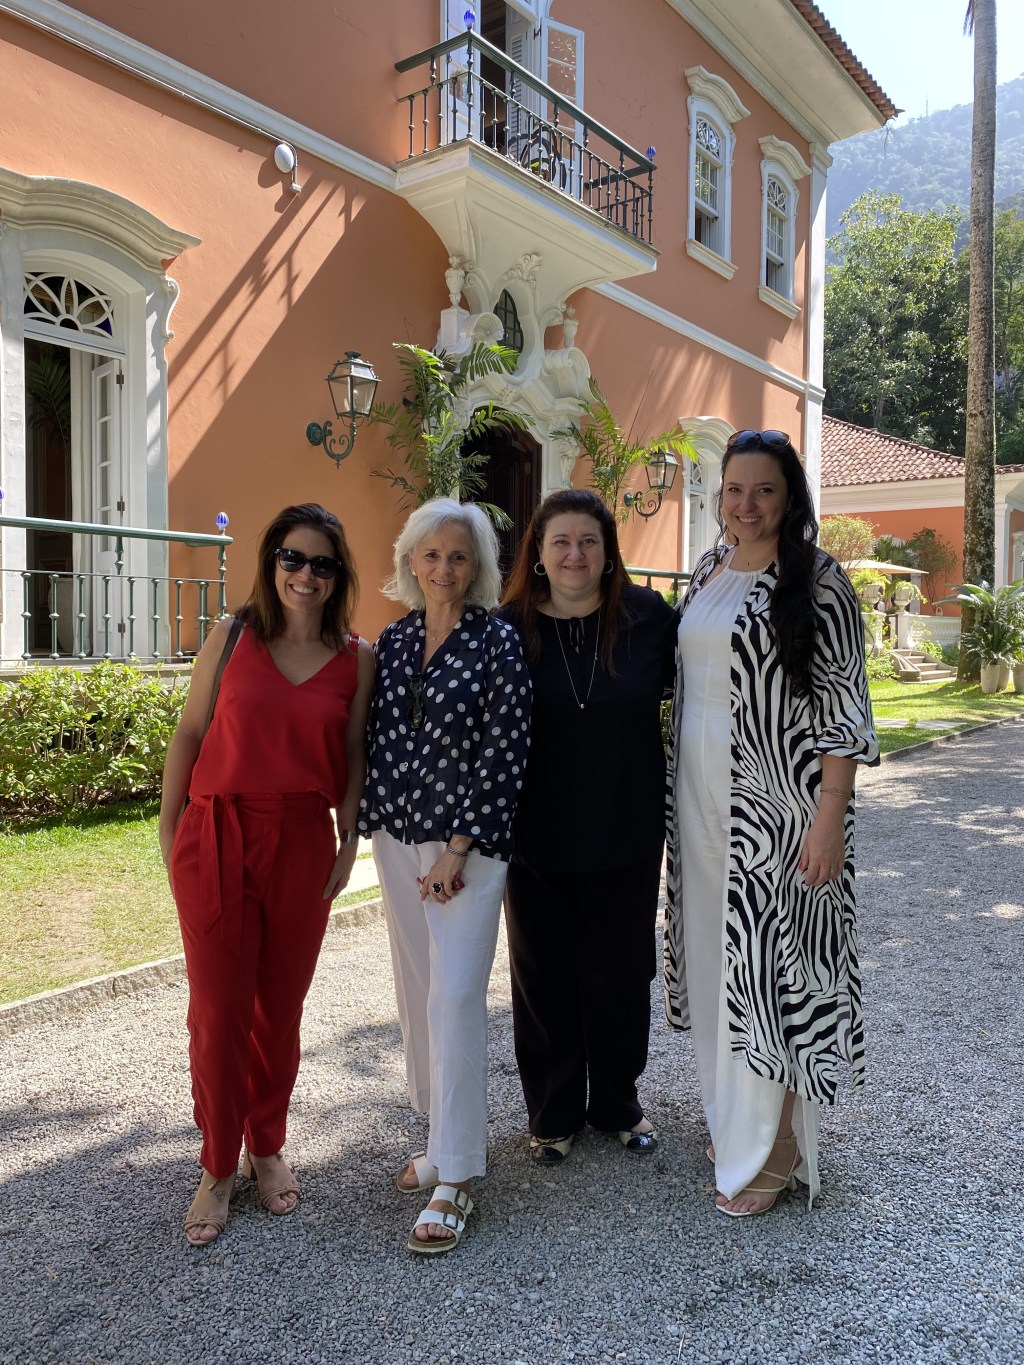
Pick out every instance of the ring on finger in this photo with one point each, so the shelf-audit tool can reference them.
(437, 887)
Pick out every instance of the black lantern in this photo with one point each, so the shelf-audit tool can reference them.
(353, 385)
(661, 475)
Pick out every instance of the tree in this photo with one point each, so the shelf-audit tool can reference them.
(980, 447)
(1009, 337)
(431, 424)
(895, 321)
(846, 538)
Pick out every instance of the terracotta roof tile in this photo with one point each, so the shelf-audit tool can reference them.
(858, 455)
(815, 20)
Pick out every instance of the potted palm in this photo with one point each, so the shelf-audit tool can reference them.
(993, 644)
(997, 634)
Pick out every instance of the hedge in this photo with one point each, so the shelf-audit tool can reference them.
(73, 738)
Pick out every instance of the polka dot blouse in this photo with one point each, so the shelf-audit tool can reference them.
(448, 742)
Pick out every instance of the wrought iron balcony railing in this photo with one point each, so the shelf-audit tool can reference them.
(94, 615)
(478, 93)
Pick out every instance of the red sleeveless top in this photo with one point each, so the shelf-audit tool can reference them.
(270, 736)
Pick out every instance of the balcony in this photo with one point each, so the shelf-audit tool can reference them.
(512, 176)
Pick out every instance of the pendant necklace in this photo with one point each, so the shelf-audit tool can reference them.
(593, 668)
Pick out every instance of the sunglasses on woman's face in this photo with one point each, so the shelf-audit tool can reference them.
(323, 566)
(751, 440)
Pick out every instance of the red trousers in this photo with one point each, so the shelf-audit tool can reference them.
(248, 874)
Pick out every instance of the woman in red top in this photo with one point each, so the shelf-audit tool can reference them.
(252, 857)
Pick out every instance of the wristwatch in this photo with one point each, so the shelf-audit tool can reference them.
(349, 836)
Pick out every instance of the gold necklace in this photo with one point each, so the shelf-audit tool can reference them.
(593, 668)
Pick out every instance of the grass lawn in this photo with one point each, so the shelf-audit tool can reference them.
(950, 701)
(83, 897)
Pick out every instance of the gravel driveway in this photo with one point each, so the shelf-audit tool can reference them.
(913, 1255)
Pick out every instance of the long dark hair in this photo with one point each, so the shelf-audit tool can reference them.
(525, 589)
(263, 612)
(791, 611)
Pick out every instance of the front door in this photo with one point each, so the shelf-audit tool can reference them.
(512, 482)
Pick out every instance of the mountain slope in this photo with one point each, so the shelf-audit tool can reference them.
(929, 161)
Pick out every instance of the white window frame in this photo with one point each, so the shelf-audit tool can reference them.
(783, 164)
(66, 227)
(712, 99)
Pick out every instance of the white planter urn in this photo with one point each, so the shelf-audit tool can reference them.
(994, 678)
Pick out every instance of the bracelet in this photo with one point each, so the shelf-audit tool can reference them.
(455, 852)
(835, 791)
(349, 836)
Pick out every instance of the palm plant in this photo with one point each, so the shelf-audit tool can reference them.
(996, 632)
(613, 453)
(430, 433)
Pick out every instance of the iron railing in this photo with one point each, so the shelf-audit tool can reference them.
(478, 93)
(104, 609)
(667, 581)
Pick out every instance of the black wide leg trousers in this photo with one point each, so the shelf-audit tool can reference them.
(583, 955)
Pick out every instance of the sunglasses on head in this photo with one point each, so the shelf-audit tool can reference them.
(322, 566)
(751, 440)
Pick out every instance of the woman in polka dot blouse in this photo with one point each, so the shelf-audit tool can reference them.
(449, 733)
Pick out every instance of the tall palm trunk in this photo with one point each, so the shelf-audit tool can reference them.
(979, 453)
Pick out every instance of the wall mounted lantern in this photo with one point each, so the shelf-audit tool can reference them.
(661, 475)
(353, 384)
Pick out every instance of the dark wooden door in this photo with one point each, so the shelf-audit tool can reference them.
(512, 482)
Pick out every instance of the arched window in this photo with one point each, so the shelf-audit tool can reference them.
(781, 168)
(713, 108)
(62, 301)
(508, 315)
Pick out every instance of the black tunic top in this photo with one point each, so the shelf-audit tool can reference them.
(593, 796)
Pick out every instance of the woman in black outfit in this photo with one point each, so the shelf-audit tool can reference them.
(582, 891)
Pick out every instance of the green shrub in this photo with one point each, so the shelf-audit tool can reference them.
(881, 666)
(72, 738)
(951, 655)
(925, 645)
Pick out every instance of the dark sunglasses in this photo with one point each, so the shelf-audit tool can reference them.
(323, 566)
(751, 440)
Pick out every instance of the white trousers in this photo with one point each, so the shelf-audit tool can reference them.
(442, 957)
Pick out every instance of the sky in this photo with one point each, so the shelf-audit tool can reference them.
(917, 50)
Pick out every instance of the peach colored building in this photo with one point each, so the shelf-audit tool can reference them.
(203, 206)
(902, 487)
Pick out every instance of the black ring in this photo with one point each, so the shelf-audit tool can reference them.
(437, 887)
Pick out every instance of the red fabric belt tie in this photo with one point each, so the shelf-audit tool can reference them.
(222, 850)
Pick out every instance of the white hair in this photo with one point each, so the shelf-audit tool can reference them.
(425, 522)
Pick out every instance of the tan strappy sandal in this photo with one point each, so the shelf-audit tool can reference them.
(291, 1186)
(194, 1219)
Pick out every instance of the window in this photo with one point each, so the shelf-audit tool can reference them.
(781, 168)
(85, 307)
(508, 315)
(707, 184)
(713, 108)
(777, 238)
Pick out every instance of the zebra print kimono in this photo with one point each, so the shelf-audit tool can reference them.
(792, 975)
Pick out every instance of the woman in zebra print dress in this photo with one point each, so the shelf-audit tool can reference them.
(760, 941)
